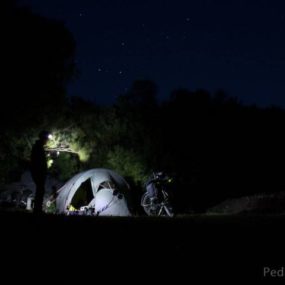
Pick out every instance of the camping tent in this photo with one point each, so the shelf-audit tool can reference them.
(109, 193)
(21, 194)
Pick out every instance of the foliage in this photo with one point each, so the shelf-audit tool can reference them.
(64, 166)
(70, 140)
(127, 163)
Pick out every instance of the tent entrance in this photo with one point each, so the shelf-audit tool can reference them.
(83, 195)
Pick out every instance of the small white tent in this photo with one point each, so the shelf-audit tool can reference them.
(21, 194)
(109, 193)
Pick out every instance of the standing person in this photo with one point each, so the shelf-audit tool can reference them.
(39, 169)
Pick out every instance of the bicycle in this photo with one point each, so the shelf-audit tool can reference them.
(161, 208)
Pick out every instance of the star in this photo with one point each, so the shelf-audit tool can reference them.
(120, 72)
(123, 44)
(99, 69)
(187, 19)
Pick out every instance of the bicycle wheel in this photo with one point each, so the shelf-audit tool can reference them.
(150, 208)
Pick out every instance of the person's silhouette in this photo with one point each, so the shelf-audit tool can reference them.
(39, 169)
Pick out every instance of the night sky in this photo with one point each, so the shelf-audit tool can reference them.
(238, 46)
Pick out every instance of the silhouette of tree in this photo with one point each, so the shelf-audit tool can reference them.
(37, 62)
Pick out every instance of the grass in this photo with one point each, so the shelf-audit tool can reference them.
(193, 245)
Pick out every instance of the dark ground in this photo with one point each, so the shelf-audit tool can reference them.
(140, 249)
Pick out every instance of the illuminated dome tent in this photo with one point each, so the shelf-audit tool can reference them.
(101, 190)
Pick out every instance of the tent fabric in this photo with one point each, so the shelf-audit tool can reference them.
(106, 204)
(102, 197)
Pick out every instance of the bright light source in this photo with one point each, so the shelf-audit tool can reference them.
(50, 136)
(57, 153)
(49, 163)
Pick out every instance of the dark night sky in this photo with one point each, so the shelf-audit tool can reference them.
(237, 45)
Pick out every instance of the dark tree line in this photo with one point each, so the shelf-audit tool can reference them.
(214, 146)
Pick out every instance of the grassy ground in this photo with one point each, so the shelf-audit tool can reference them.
(189, 246)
